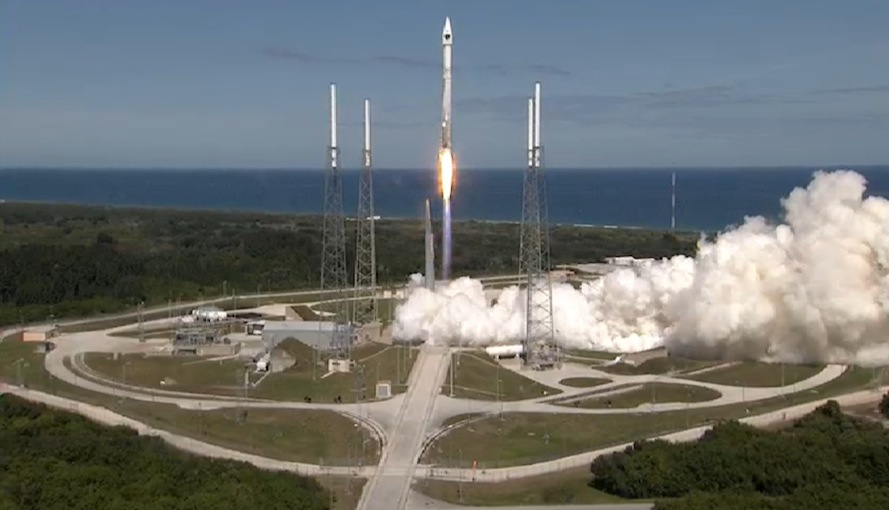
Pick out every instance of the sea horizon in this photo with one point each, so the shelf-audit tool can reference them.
(707, 199)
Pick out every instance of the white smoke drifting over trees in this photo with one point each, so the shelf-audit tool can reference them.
(813, 289)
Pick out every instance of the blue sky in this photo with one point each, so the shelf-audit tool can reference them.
(237, 83)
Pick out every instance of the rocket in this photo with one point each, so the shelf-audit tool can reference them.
(430, 249)
(447, 43)
(445, 153)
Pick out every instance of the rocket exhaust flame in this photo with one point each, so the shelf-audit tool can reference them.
(446, 173)
(446, 180)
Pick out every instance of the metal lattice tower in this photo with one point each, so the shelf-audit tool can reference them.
(333, 254)
(541, 350)
(364, 309)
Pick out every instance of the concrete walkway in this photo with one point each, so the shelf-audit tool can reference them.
(389, 487)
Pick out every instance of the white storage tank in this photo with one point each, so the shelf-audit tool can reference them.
(505, 351)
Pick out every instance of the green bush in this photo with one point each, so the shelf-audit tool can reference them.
(53, 460)
(68, 261)
(823, 454)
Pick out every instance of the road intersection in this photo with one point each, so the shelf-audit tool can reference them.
(404, 423)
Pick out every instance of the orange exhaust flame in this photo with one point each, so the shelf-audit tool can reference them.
(446, 173)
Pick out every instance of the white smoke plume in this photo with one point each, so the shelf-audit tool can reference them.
(812, 289)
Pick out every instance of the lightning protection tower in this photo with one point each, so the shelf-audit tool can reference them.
(540, 347)
(364, 309)
(333, 254)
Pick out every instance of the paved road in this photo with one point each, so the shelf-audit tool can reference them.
(389, 488)
(404, 422)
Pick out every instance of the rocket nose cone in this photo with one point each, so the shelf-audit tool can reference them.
(446, 34)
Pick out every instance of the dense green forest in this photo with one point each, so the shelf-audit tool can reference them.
(69, 260)
(827, 459)
(54, 460)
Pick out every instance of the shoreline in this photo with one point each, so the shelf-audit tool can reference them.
(348, 218)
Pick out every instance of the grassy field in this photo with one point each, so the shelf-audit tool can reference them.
(756, 374)
(313, 436)
(526, 438)
(479, 377)
(662, 365)
(271, 433)
(385, 308)
(178, 373)
(345, 491)
(589, 355)
(100, 323)
(566, 487)
(648, 393)
(379, 363)
(198, 375)
(583, 382)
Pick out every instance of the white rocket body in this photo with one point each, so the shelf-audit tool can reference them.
(447, 44)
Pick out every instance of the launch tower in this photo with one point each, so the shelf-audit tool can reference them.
(364, 310)
(333, 242)
(540, 347)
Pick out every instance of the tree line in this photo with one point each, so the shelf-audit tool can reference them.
(69, 260)
(55, 460)
(826, 459)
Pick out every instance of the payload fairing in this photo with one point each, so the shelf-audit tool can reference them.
(447, 43)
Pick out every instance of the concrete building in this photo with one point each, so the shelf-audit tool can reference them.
(317, 334)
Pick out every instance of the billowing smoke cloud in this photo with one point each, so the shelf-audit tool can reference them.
(813, 289)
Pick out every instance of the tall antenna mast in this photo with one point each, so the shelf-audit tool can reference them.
(333, 252)
(539, 343)
(364, 310)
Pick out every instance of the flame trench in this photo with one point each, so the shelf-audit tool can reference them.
(446, 180)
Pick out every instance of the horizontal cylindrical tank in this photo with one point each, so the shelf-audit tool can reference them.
(502, 351)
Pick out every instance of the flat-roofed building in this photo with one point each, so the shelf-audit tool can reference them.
(316, 334)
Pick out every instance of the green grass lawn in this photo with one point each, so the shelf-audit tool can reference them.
(346, 491)
(526, 438)
(198, 375)
(566, 487)
(479, 377)
(100, 323)
(175, 373)
(385, 308)
(590, 355)
(584, 382)
(296, 435)
(661, 365)
(312, 436)
(648, 393)
(379, 363)
(756, 374)
(20, 363)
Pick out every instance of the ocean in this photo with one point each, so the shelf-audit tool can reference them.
(707, 199)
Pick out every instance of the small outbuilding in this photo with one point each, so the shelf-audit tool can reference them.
(39, 333)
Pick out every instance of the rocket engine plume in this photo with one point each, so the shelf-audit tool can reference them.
(812, 288)
(446, 178)
(446, 173)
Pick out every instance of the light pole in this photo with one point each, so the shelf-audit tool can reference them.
(453, 373)
(460, 487)
(783, 393)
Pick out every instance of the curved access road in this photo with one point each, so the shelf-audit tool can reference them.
(413, 417)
